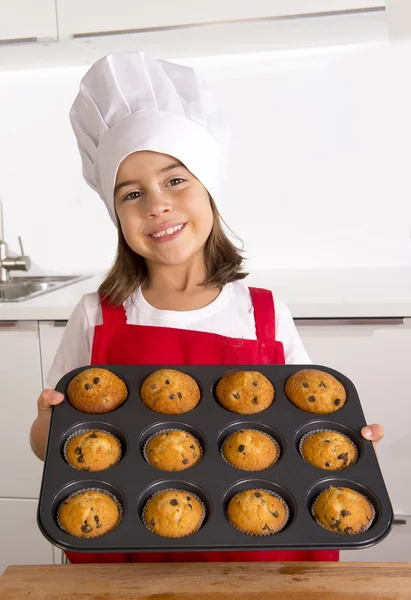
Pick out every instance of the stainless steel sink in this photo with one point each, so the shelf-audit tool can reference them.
(25, 288)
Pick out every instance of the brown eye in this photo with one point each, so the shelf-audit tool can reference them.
(132, 196)
(176, 181)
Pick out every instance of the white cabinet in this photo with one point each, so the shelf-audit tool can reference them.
(399, 19)
(395, 548)
(21, 540)
(20, 470)
(27, 19)
(20, 386)
(22, 19)
(376, 356)
(91, 16)
(50, 333)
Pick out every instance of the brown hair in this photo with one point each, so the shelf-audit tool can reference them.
(223, 262)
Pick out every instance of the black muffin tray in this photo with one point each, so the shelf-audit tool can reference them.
(214, 481)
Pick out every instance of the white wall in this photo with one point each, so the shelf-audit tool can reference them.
(319, 173)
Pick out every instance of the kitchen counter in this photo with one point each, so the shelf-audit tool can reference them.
(209, 581)
(309, 293)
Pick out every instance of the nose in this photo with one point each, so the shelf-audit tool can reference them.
(157, 204)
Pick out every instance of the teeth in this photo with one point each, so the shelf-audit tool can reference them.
(168, 231)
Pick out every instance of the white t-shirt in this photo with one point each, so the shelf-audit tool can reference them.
(231, 314)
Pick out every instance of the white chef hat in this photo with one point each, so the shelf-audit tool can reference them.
(130, 101)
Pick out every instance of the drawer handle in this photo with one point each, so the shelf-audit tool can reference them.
(400, 522)
(351, 321)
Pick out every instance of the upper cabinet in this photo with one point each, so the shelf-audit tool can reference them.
(173, 29)
(399, 19)
(25, 19)
(82, 17)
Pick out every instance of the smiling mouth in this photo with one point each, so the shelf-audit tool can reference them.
(167, 232)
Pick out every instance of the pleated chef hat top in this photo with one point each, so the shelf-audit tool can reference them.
(130, 101)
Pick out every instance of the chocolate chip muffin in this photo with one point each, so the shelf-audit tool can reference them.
(96, 391)
(328, 450)
(343, 510)
(245, 392)
(173, 450)
(174, 513)
(250, 449)
(315, 391)
(170, 392)
(257, 512)
(92, 450)
(88, 514)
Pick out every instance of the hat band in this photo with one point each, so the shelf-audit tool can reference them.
(163, 132)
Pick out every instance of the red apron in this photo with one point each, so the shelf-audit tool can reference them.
(116, 342)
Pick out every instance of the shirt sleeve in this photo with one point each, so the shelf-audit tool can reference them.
(286, 332)
(75, 346)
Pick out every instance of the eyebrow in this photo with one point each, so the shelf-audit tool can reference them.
(133, 181)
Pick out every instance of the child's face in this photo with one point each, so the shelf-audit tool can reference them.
(153, 193)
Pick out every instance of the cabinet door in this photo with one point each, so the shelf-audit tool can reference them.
(376, 356)
(395, 548)
(22, 543)
(20, 386)
(27, 19)
(51, 333)
(79, 17)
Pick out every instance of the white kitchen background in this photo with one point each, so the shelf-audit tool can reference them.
(318, 183)
(319, 173)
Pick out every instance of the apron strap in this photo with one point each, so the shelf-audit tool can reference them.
(113, 315)
(264, 313)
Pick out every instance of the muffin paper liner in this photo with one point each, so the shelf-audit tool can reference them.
(165, 431)
(78, 432)
(91, 489)
(300, 446)
(283, 502)
(276, 444)
(174, 490)
(337, 531)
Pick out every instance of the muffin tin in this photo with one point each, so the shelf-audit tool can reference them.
(133, 481)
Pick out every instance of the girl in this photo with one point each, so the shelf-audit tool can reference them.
(153, 146)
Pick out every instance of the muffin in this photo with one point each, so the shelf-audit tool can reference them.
(92, 450)
(96, 391)
(328, 450)
(173, 450)
(245, 392)
(342, 510)
(315, 391)
(174, 513)
(250, 450)
(257, 512)
(170, 392)
(88, 514)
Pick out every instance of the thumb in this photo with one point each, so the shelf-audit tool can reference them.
(49, 398)
(374, 432)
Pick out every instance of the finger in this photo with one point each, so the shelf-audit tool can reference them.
(374, 432)
(49, 398)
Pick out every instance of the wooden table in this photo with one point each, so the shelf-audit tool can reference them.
(209, 581)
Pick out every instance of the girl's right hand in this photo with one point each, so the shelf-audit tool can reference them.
(47, 399)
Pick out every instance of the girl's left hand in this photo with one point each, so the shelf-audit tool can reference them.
(373, 433)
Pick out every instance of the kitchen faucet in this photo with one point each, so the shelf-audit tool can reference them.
(10, 263)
